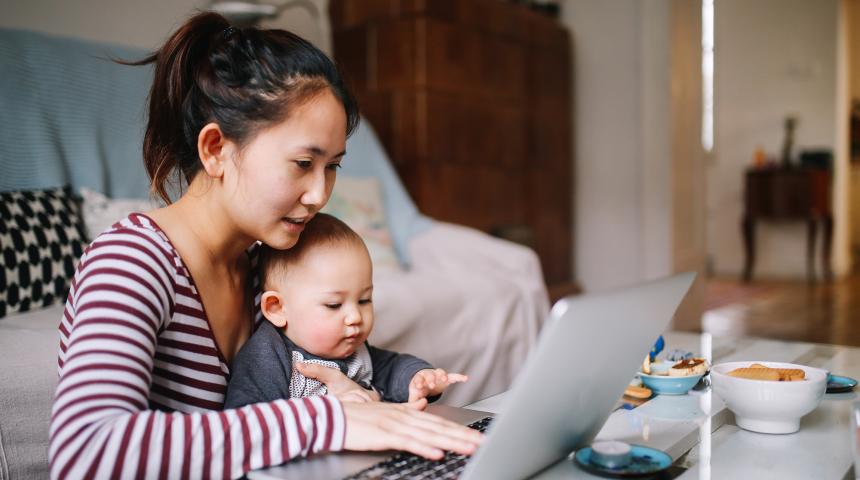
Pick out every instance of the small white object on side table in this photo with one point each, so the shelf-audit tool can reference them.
(698, 432)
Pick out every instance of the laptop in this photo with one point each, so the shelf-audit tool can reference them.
(587, 352)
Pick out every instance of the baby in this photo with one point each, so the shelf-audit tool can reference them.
(317, 300)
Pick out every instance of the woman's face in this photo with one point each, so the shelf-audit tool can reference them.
(285, 175)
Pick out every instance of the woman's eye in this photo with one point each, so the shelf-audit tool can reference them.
(304, 164)
(333, 166)
(365, 301)
(332, 306)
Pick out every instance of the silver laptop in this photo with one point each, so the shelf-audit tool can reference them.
(589, 349)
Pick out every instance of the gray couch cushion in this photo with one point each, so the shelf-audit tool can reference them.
(28, 376)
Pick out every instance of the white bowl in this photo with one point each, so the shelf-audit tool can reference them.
(769, 406)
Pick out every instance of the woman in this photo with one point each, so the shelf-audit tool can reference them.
(256, 123)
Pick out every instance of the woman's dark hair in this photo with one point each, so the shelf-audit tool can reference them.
(242, 79)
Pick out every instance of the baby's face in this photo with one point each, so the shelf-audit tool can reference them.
(327, 300)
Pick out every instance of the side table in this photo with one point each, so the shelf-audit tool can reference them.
(789, 194)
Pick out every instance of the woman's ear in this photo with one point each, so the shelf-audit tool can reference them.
(210, 149)
(273, 308)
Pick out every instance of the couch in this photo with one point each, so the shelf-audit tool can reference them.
(70, 117)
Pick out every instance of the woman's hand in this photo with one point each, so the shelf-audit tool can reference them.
(402, 426)
(374, 425)
(427, 383)
(337, 383)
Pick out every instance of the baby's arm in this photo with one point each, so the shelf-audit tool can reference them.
(392, 373)
(261, 371)
(400, 377)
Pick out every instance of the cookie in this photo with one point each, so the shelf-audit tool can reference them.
(637, 392)
(791, 374)
(785, 374)
(756, 374)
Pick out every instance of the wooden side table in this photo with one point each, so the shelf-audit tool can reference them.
(789, 194)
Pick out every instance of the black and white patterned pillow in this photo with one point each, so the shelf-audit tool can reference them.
(41, 241)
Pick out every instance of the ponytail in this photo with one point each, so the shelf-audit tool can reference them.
(242, 79)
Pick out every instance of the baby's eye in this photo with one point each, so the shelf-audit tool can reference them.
(332, 306)
(304, 164)
(333, 166)
(365, 301)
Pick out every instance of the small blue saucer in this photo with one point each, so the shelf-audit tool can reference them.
(646, 461)
(840, 384)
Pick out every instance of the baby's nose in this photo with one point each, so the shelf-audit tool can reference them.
(353, 318)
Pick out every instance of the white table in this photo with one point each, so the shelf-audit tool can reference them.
(699, 432)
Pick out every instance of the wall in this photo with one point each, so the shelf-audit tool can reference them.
(144, 24)
(772, 58)
(134, 23)
(621, 129)
(689, 249)
(852, 53)
(301, 22)
(852, 12)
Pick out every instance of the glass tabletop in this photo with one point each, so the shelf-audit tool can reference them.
(700, 434)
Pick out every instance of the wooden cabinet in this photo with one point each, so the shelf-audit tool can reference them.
(471, 98)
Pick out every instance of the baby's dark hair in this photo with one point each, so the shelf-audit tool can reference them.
(243, 79)
(322, 230)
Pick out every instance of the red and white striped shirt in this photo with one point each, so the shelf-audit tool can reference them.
(142, 381)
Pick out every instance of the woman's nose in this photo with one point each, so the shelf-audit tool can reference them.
(316, 193)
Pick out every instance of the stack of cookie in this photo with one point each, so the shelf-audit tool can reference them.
(757, 371)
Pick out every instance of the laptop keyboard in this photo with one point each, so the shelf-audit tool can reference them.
(407, 465)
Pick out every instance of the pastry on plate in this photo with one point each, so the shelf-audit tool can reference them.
(689, 366)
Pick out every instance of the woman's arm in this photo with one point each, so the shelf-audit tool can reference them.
(101, 425)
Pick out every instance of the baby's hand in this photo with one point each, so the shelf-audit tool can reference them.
(427, 383)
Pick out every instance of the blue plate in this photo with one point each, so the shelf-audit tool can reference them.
(840, 384)
(646, 461)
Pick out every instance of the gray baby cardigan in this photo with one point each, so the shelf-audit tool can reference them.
(263, 370)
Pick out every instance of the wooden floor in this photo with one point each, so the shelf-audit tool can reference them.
(822, 312)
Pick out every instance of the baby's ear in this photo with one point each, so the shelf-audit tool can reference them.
(273, 309)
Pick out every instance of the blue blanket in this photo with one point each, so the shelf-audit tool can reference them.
(70, 115)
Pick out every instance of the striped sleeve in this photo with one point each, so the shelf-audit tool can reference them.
(101, 426)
